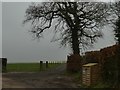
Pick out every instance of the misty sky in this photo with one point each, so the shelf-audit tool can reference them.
(1, 29)
(19, 46)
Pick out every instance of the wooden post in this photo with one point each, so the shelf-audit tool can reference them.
(46, 64)
(41, 65)
(0, 65)
(4, 64)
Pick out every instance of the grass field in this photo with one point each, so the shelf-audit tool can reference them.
(29, 67)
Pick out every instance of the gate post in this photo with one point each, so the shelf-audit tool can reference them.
(4, 64)
(41, 65)
(74, 63)
(46, 64)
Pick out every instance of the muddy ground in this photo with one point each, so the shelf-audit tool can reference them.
(53, 78)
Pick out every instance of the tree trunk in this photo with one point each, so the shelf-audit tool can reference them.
(74, 60)
(75, 42)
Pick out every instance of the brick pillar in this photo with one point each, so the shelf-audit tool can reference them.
(74, 63)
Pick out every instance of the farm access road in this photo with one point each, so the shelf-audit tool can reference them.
(52, 78)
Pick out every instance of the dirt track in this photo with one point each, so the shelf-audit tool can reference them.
(53, 78)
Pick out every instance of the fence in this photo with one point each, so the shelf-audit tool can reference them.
(33, 67)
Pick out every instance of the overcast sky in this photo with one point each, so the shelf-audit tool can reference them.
(0, 29)
(19, 46)
(0, 43)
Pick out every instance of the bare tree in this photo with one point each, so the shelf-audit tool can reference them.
(79, 23)
(116, 11)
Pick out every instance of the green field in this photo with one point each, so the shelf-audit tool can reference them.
(29, 67)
